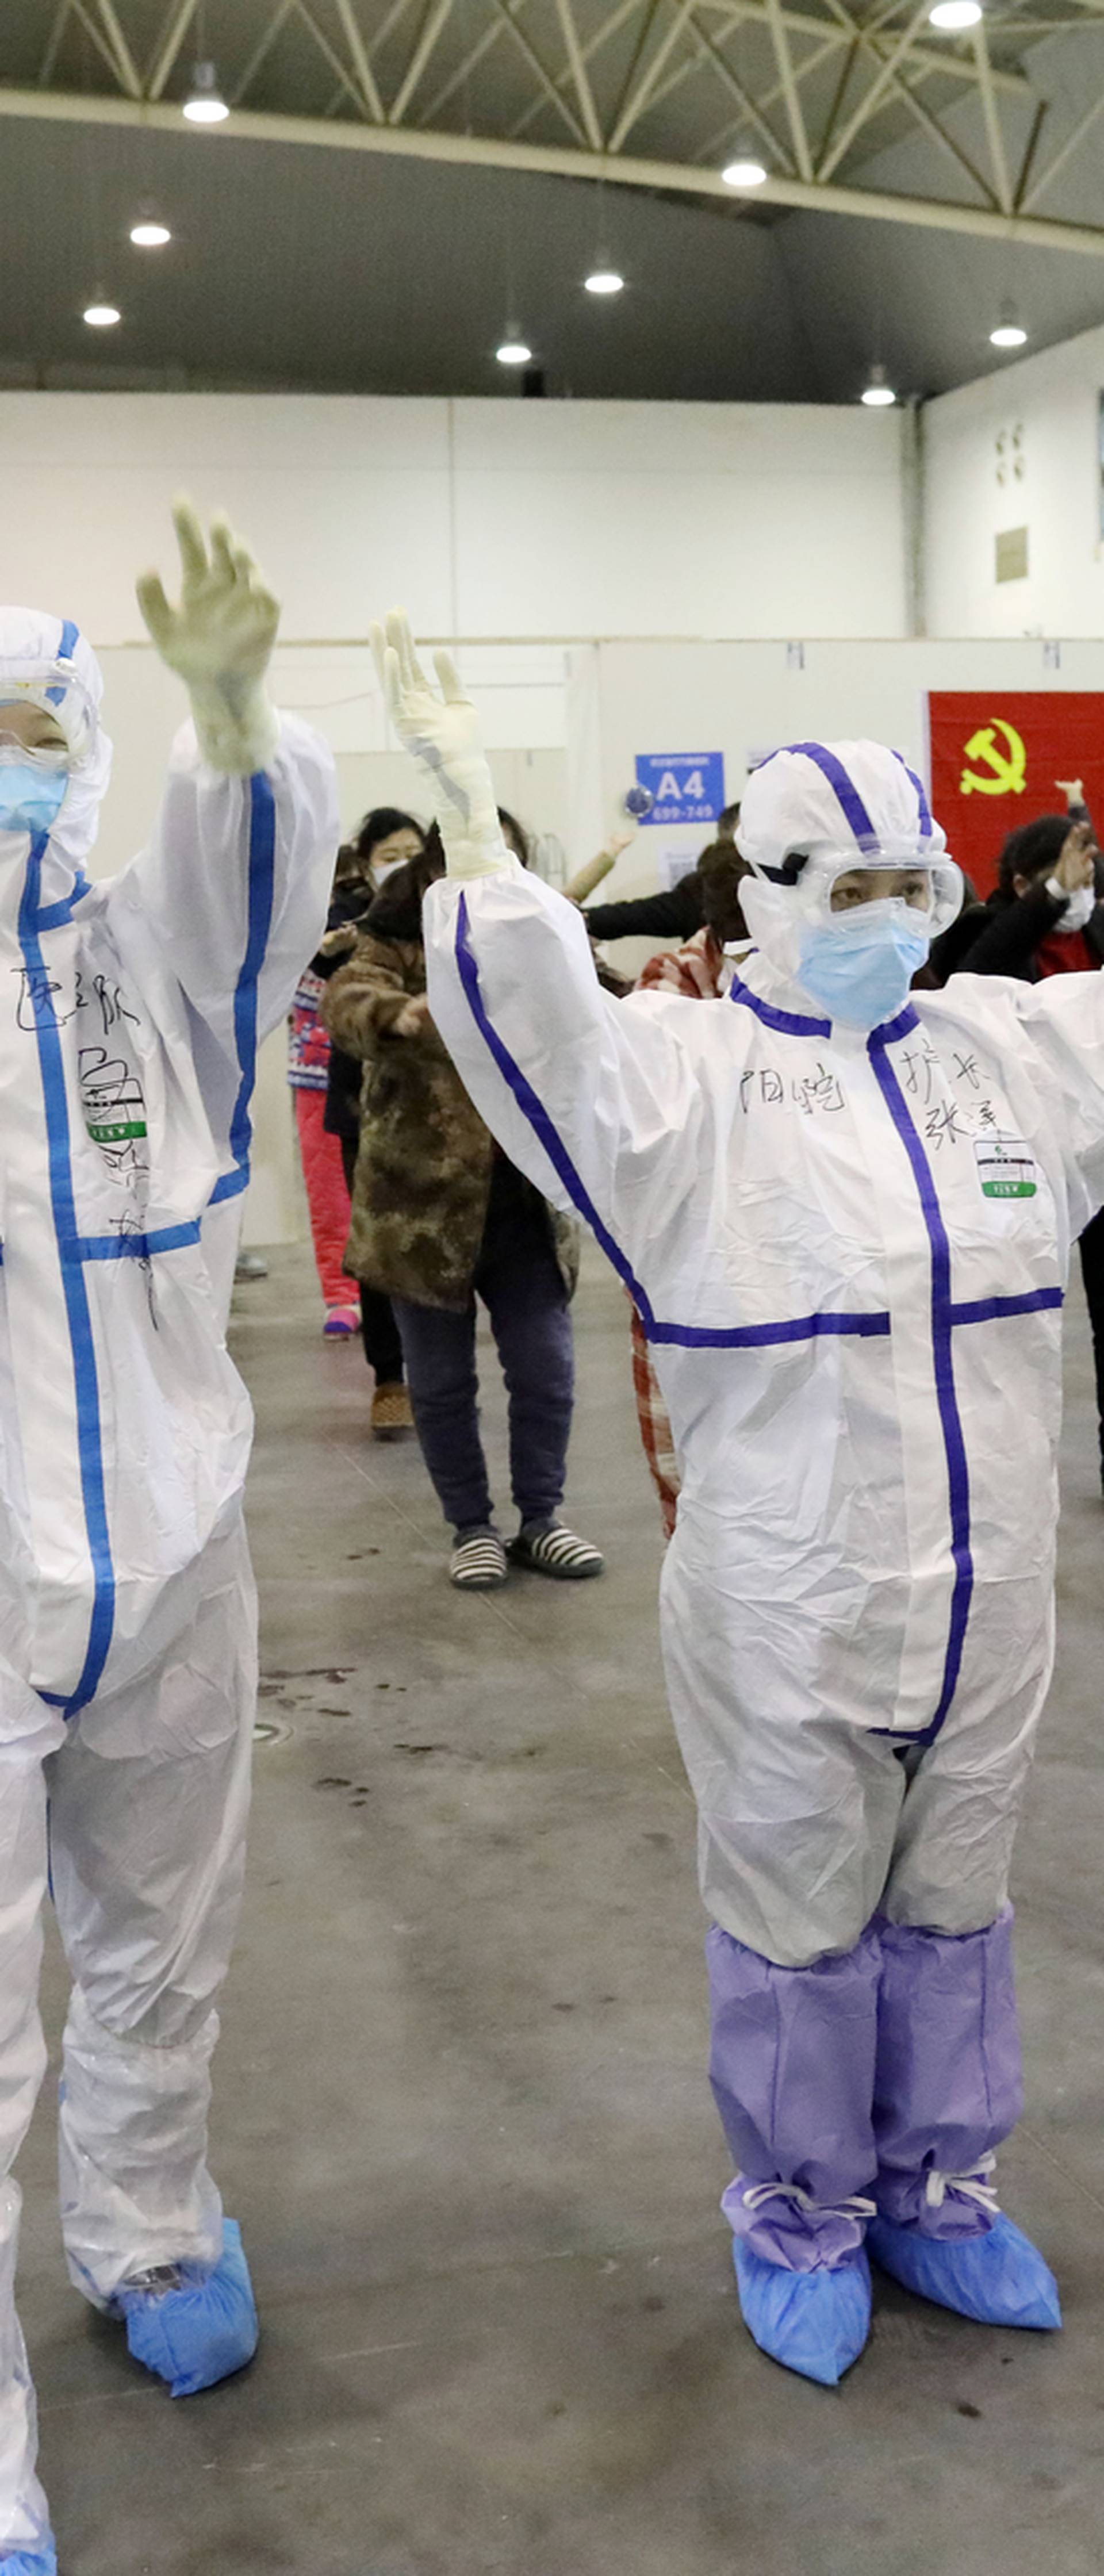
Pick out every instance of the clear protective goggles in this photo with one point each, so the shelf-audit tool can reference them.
(836, 882)
(54, 690)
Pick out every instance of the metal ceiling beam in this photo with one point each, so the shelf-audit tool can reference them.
(947, 142)
(905, 92)
(946, 65)
(96, 37)
(583, 91)
(164, 61)
(795, 113)
(997, 153)
(549, 90)
(754, 112)
(720, 141)
(351, 87)
(432, 24)
(120, 48)
(53, 43)
(634, 107)
(263, 46)
(554, 161)
(1071, 145)
(1031, 147)
(869, 104)
(608, 27)
(358, 56)
(923, 63)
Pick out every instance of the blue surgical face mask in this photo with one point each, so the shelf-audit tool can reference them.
(859, 968)
(30, 798)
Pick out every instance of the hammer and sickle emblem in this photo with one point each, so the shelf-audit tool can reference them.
(1006, 770)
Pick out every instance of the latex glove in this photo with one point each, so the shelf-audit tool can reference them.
(442, 734)
(220, 641)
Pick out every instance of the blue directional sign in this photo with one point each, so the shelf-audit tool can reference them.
(688, 786)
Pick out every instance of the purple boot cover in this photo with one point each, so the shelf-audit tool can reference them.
(949, 2086)
(792, 2069)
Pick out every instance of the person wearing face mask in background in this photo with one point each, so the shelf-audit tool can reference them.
(1044, 917)
(441, 1218)
(844, 1214)
(384, 842)
(130, 1015)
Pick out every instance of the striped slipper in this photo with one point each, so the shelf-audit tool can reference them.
(478, 1562)
(556, 1551)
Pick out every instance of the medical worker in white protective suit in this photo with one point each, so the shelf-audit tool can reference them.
(844, 1214)
(130, 1014)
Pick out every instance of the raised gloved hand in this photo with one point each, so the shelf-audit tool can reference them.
(442, 734)
(220, 641)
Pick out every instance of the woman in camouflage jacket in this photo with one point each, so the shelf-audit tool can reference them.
(440, 1216)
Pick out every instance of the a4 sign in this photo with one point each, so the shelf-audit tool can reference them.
(688, 786)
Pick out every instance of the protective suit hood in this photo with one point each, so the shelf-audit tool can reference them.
(816, 806)
(45, 659)
(843, 796)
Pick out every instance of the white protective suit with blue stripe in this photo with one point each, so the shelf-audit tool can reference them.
(849, 1247)
(130, 1014)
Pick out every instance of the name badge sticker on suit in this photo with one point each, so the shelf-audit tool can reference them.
(1006, 1167)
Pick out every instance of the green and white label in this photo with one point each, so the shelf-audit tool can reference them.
(118, 1132)
(1006, 1167)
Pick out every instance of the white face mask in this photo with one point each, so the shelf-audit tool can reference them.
(1079, 909)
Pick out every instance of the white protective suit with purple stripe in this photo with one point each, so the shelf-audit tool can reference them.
(849, 1249)
(130, 1014)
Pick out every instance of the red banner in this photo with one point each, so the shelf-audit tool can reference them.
(996, 757)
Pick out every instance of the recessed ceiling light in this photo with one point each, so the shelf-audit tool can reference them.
(604, 281)
(205, 104)
(513, 351)
(149, 234)
(101, 315)
(745, 172)
(954, 14)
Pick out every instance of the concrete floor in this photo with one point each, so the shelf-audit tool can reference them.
(461, 2108)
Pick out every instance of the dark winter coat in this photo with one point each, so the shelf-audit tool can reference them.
(423, 1171)
(1001, 936)
(673, 915)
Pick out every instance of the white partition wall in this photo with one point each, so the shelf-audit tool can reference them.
(748, 698)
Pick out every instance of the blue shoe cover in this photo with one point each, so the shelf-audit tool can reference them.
(201, 2333)
(31, 2562)
(1000, 2279)
(813, 2322)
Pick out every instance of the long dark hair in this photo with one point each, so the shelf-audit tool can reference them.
(396, 911)
(1033, 851)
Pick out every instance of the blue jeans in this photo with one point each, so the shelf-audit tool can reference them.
(518, 1278)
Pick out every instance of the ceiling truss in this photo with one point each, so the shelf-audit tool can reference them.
(816, 87)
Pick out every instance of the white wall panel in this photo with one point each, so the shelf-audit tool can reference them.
(1046, 410)
(485, 519)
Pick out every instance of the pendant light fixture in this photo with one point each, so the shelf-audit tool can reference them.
(1009, 332)
(205, 104)
(878, 394)
(745, 170)
(147, 232)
